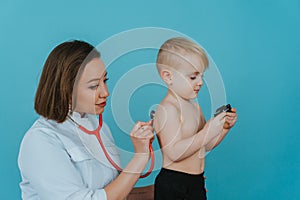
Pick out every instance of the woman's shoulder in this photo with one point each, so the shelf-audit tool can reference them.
(37, 141)
(47, 134)
(41, 130)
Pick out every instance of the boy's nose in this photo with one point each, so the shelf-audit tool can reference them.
(200, 82)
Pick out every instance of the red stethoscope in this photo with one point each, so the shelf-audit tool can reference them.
(96, 132)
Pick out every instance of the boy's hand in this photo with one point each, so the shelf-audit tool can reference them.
(230, 119)
(215, 125)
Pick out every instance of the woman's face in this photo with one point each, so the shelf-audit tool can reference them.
(92, 92)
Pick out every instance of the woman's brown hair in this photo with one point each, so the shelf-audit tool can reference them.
(61, 69)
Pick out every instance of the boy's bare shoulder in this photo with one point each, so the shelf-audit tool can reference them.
(167, 108)
(166, 111)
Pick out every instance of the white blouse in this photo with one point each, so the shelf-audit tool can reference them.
(59, 161)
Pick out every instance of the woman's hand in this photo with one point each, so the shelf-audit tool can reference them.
(230, 119)
(142, 136)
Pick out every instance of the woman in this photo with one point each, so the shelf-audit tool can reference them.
(57, 159)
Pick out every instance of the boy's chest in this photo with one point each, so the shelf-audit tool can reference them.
(192, 122)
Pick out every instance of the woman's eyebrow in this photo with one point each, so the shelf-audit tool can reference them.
(92, 80)
(97, 79)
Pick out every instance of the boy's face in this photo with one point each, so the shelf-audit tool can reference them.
(186, 77)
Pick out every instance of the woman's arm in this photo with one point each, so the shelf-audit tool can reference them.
(141, 136)
(123, 184)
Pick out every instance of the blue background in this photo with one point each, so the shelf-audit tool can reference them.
(255, 45)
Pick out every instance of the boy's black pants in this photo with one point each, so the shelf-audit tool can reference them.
(174, 185)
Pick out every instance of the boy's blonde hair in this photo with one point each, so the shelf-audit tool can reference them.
(175, 49)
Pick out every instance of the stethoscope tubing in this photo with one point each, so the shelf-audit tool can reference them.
(96, 132)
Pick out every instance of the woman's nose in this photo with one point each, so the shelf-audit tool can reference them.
(103, 92)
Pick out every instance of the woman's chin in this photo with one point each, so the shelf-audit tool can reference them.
(98, 110)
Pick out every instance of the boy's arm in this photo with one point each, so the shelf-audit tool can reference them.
(216, 141)
(168, 125)
(231, 118)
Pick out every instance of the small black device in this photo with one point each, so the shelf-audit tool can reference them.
(224, 108)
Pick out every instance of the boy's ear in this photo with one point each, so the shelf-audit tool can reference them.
(166, 76)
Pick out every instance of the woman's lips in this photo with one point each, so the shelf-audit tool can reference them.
(101, 104)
